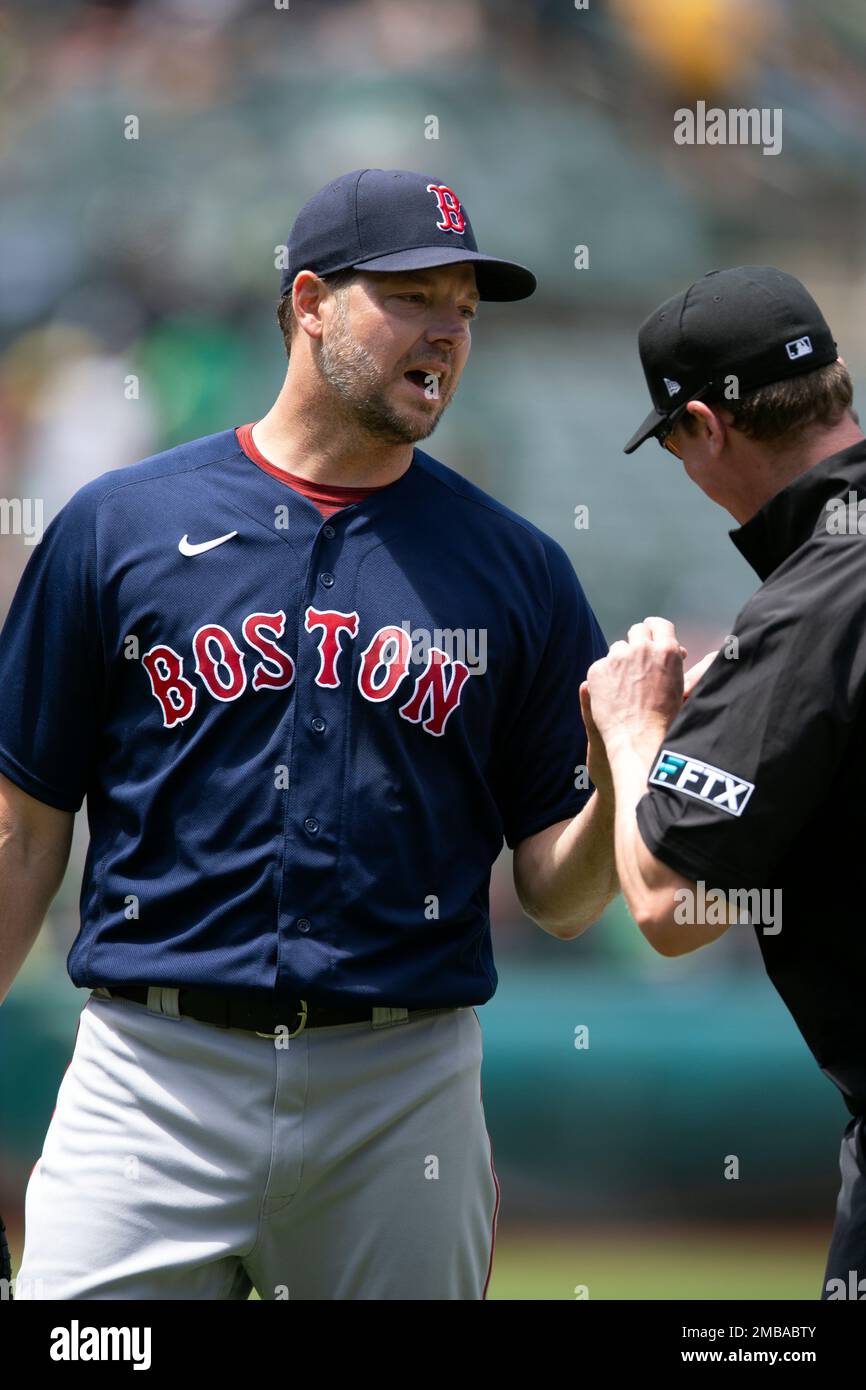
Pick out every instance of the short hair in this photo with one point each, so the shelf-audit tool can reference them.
(338, 280)
(771, 413)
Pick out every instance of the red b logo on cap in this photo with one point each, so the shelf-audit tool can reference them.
(449, 208)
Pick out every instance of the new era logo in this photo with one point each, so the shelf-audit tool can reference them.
(798, 347)
(673, 386)
(703, 781)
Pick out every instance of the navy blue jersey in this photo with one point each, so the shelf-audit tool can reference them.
(301, 741)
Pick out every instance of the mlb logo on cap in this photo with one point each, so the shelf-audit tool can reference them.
(798, 348)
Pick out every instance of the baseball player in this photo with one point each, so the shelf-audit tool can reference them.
(746, 803)
(308, 679)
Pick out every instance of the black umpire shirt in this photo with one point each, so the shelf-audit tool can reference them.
(760, 782)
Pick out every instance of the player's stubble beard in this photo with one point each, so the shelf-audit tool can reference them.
(356, 378)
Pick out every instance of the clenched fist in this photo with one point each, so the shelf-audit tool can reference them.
(636, 690)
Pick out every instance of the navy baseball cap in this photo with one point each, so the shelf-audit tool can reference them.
(394, 219)
(753, 322)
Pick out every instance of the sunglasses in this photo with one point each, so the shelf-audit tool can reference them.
(664, 437)
(664, 432)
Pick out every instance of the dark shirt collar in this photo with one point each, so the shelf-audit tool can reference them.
(788, 520)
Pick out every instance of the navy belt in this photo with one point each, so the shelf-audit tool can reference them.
(267, 1017)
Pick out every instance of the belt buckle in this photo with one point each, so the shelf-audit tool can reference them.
(303, 1013)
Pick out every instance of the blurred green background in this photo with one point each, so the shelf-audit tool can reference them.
(152, 261)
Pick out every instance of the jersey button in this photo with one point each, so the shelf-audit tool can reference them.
(328, 532)
(318, 724)
(311, 825)
(327, 579)
(303, 924)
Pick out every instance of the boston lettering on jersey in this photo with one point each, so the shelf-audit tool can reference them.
(221, 665)
(284, 792)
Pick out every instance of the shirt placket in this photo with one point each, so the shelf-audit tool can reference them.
(317, 755)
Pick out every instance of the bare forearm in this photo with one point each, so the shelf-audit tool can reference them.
(630, 760)
(30, 875)
(566, 876)
(650, 888)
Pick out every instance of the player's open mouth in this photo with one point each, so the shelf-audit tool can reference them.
(423, 381)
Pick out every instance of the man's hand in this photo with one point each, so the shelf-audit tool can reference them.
(636, 689)
(694, 673)
(596, 753)
(596, 756)
(628, 702)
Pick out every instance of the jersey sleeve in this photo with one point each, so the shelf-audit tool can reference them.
(546, 745)
(755, 749)
(52, 668)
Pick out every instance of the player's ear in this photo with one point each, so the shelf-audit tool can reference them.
(308, 295)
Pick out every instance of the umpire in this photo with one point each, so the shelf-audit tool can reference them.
(754, 787)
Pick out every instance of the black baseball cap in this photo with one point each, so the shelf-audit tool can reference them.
(394, 219)
(753, 322)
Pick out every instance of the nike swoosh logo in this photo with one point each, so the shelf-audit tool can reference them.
(186, 547)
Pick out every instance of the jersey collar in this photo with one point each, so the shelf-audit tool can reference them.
(257, 492)
(787, 521)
